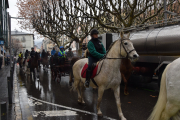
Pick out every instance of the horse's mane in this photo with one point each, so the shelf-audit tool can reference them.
(109, 49)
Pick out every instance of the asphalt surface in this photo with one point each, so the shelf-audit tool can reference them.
(45, 99)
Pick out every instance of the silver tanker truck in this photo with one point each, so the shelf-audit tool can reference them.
(157, 47)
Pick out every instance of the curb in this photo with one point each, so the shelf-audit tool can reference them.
(17, 107)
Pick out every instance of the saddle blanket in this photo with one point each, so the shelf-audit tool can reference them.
(83, 72)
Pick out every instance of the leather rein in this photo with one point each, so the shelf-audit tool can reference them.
(127, 52)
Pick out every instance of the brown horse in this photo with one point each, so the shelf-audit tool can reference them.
(126, 70)
(45, 61)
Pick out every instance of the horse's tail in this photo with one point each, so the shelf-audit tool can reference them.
(76, 80)
(161, 103)
(73, 60)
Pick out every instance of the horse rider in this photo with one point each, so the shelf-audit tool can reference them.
(53, 52)
(70, 53)
(96, 52)
(32, 54)
(62, 54)
(43, 55)
(20, 56)
(26, 55)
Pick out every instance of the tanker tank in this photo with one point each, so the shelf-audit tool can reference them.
(163, 41)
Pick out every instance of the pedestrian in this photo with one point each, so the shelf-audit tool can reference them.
(96, 52)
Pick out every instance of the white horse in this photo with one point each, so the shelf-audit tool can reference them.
(168, 104)
(109, 73)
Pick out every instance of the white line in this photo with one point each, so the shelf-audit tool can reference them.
(78, 110)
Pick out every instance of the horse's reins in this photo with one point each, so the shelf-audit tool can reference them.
(105, 57)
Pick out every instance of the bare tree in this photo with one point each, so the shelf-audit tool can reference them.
(16, 46)
(55, 18)
(117, 14)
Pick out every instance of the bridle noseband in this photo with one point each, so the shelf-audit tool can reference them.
(127, 52)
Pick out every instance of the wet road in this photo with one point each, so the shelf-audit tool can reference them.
(44, 99)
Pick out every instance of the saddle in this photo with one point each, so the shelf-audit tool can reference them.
(94, 70)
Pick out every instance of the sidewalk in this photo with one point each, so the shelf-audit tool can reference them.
(4, 73)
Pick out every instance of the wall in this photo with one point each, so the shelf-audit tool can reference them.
(26, 41)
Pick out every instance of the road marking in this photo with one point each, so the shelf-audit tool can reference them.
(70, 108)
(32, 102)
(54, 113)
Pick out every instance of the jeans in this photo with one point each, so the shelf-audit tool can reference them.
(91, 60)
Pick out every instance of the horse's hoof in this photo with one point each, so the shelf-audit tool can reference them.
(100, 114)
(80, 103)
(126, 93)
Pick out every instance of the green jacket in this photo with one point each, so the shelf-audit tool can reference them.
(93, 51)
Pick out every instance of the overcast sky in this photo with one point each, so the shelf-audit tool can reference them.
(13, 11)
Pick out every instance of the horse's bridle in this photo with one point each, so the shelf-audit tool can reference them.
(127, 51)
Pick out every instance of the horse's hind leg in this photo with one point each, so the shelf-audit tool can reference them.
(100, 94)
(169, 111)
(82, 88)
(70, 78)
(117, 97)
(125, 83)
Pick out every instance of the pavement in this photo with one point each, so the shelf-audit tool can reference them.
(7, 111)
(44, 99)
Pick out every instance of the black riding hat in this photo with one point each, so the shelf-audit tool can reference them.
(32, 48)
(94, 31)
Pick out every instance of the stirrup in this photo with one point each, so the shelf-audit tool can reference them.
(86, 84)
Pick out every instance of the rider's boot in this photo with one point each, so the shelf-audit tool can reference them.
(88, 75)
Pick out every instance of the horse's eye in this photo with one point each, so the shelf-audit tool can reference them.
(125, 43)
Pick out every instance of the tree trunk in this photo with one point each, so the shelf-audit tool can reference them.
(57, 42)
(80, 49)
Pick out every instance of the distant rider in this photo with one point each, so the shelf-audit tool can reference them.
(96, 52)
(53, 51)
(70, 53)
(32, 54)
(62, 54)
(26, 55)
(43, 55)
(20, 55)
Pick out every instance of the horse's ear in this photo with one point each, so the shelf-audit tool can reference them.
(128, 35)
(121, 34)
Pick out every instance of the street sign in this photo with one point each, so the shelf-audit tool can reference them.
(1, 42)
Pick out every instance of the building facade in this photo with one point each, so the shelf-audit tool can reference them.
(4, 28)
(26, 40)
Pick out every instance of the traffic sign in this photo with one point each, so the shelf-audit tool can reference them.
(1, 42)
